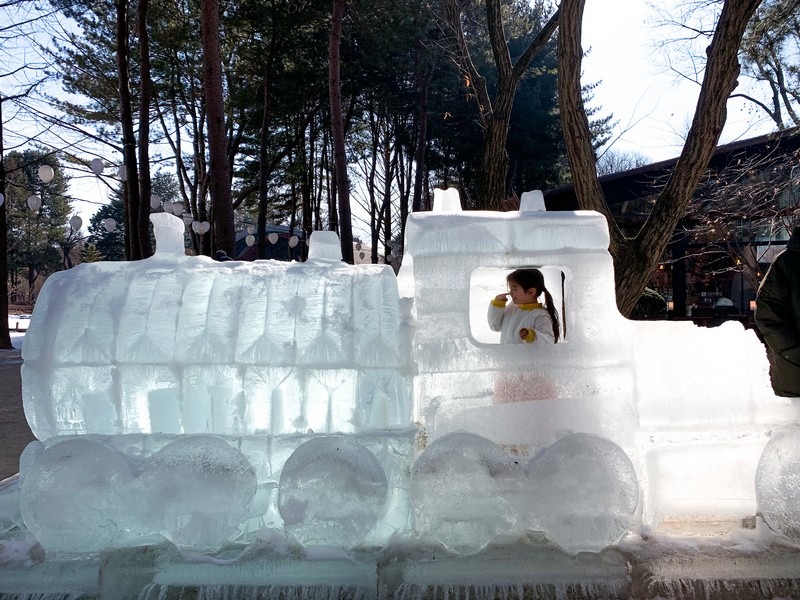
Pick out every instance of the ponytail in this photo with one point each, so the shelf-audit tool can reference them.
(551, 310)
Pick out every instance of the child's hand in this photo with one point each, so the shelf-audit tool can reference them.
(501, 297)
(523, 333)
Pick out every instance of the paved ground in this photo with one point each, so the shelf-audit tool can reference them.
(14, 431)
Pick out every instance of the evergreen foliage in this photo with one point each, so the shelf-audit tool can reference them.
(91, 254)
(110, 245)
(35, 237)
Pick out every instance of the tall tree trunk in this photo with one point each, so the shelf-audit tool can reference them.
(133, 203)
(386, 203)
(5, 337)
(219, 175)
(636, 258)
(145, 94)
(263, 158)
(337, 132)
(374, 214)
(423, 85)
(494, 160)
(293, 212)
(307, 209)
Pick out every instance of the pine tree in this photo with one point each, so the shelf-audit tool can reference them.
(91, 254)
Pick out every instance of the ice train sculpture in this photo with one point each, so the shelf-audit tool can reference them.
(202, 403)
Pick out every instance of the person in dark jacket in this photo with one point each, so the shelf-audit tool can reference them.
(778, 318)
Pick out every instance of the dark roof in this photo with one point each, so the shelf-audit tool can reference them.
(648, 180)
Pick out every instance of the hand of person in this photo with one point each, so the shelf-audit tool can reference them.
(501, 297)
(523, 333)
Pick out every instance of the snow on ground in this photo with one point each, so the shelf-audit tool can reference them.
(17, 326)
(17, 337)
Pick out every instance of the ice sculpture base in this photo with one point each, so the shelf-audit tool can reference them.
(746, 564)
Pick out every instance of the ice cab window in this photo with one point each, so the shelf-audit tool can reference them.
(487, 282)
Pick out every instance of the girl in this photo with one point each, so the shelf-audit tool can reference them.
(524, 320)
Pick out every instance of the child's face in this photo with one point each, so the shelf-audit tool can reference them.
(521, 296)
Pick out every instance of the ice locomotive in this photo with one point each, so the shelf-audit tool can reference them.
(204, 403)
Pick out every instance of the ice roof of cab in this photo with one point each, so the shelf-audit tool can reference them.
(449, 230)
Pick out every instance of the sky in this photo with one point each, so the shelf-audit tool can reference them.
(652, 105)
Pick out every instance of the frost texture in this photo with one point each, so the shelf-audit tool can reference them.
(778, 483)
(332, 492)
(173, 343)
(583, 492)
(82, 495)
(462, 489)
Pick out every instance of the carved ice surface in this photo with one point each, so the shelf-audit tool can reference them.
(83, 495)
(64, 500)
(583, 492)
(195, 491)
(463, 489)
(332, 492)
(175, 344)
(778, 483)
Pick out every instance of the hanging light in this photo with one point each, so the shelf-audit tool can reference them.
(46, 173)
(110, 224)
(251, 229)
(293, 241)
(177, 208)
(250, 240)
(97, 166)
(187, 218)
(34, 202)
(273, 238)
(75, 222)
(201, 227)
(167, 206)
(155, 201)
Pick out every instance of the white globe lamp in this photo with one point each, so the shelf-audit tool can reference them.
(46, 173)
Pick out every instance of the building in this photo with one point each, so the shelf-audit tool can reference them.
(741, 216)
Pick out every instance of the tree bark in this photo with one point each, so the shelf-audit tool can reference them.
(5, 336)
(263, 158)
(337, 132)
(133, 200)
(145, 94)
(423, 86)
(219, 175)
(636, 258)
